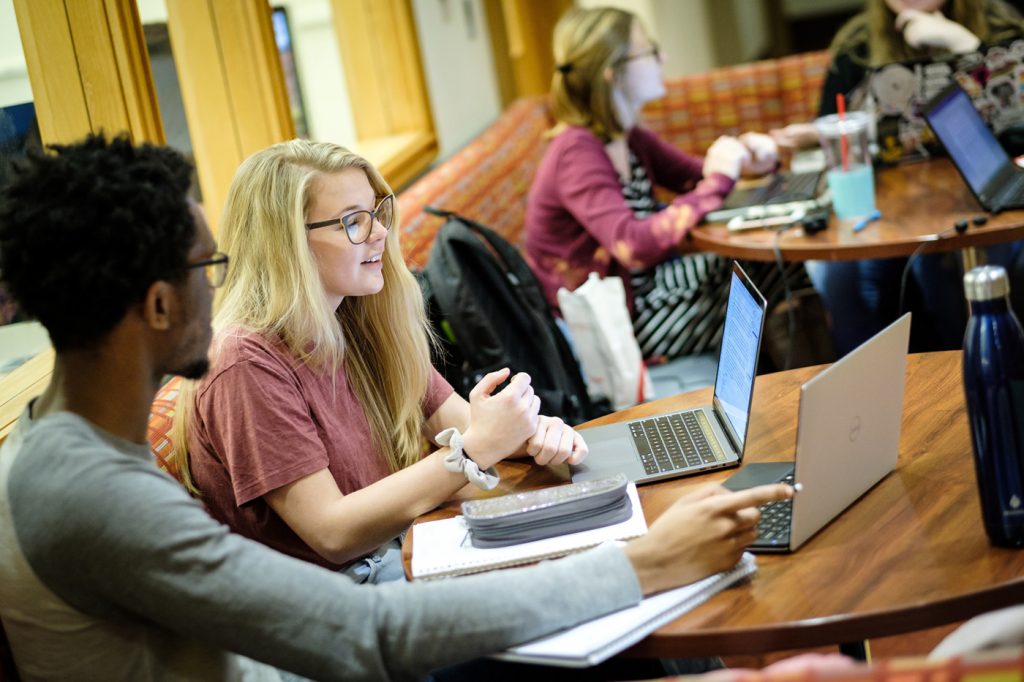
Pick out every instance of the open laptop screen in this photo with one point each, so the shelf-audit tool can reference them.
(737, 361)
(968, 140)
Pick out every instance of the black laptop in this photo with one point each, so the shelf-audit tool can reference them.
(779, 190)
(997, 183)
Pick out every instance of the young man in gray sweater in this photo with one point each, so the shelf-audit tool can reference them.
(109, 570)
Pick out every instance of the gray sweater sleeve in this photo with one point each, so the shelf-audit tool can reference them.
(116, 538)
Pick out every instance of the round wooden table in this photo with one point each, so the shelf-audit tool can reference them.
(917, 201)
(910, 554)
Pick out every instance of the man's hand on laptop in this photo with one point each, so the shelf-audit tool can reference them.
(702, 533)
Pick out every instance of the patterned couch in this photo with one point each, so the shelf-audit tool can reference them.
(488, 180)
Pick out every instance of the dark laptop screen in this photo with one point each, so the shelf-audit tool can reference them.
(737, 361)
(968, 140)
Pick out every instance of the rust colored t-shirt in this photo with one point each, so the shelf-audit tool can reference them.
(264, 419)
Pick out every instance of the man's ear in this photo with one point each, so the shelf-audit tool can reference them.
(159, 304)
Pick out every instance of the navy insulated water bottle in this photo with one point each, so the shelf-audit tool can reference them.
(994, 384)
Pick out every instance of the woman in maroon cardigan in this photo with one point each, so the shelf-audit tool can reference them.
(592, 208)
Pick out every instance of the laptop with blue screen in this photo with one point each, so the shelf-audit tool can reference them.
(997, 183)
(694, 440)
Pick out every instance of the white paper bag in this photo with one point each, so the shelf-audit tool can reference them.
(602, 333)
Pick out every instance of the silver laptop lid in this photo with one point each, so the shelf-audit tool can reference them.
(848, 433)
(737, 358)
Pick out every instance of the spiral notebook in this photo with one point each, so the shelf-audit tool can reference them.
(600, 639)
(443, 549)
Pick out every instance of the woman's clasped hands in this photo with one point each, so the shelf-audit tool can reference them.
(748, 154)
(509, 422)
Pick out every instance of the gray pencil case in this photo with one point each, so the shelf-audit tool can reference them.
(544, 513)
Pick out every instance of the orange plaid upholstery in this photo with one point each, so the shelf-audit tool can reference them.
(488, 179)
(729, 101)
(161, 417)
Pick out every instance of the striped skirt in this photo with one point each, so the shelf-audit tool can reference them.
(679, 305)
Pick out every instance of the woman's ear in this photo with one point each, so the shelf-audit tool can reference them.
(609, 75)
(161, 297)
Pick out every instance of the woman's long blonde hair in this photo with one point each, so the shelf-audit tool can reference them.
(273, 288)
(992, 21)
(588, 42)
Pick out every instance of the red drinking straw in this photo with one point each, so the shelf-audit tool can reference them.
(844, 146)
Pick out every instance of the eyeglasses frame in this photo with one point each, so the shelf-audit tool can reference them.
(218, 259)
(653, 51)
(373, 216)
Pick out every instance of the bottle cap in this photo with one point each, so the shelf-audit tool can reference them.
(985, 283)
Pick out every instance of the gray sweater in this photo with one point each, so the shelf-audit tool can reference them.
(109, 570)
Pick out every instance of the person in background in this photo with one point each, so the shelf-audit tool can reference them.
(591, 207)
(308, 432)
(108, 568)
(863, 296)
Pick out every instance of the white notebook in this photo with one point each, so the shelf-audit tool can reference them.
(443, 548)
(597, 640)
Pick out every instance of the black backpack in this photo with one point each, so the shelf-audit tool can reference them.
(487, 308)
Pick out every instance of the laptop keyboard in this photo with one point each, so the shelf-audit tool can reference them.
(782, 188)
(776, 518)
(675, 442)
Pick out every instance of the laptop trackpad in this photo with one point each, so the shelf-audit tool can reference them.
(759, 473)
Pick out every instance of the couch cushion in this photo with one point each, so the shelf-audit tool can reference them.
(487, 180)
(161, 419)
(732, 100)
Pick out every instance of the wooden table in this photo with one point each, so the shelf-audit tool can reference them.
(911, 554)
(917, 201)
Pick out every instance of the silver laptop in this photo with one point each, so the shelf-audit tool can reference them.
(848, 438)
(694, 440)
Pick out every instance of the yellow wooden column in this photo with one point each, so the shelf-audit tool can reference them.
(89, 69)
(521, 32)
(391, 110)
(232, 87)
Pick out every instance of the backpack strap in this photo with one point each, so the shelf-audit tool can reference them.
(573, 399)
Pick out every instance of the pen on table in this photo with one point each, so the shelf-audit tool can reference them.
(866, 220)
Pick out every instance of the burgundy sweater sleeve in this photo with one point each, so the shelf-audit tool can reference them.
(672, 168)
(589, 189)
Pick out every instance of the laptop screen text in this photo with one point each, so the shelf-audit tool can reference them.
(967, 139)
(737, 362)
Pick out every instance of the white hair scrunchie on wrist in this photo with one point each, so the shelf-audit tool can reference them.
(456, 461)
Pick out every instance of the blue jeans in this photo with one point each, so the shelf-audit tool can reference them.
(384, 565)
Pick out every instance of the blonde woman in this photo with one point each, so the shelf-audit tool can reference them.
(592, 207)
(307, 433)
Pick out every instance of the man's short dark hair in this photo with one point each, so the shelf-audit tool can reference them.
(85, 230)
